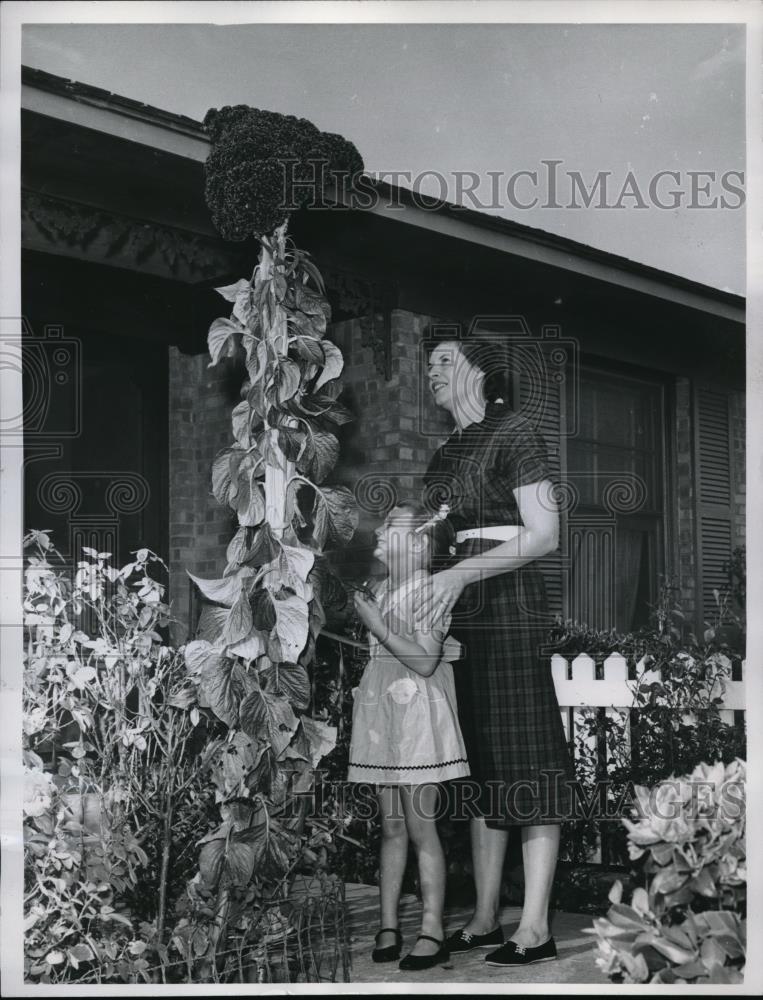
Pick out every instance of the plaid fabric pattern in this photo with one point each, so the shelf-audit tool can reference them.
(507, 705)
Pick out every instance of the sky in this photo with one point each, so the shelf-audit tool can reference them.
(483, 98)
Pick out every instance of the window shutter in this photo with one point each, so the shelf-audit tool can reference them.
(714, 509)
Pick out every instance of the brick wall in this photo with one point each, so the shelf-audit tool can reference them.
(201, 399)
(386, 450)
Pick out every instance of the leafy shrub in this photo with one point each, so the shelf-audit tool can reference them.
(114, 799)
(687, 925)
(671, 727)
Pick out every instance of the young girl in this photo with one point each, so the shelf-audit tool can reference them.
(405, 733)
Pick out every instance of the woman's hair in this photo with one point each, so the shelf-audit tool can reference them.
(439, 531)
(484, 352)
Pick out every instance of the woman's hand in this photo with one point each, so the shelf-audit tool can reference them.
(369, 613)
(443, 591)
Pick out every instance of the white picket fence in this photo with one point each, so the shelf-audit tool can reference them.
(583, 690)
(580, 693)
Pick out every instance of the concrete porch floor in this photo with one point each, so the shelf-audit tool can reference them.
(575, 964)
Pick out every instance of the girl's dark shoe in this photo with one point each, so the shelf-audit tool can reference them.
(463, 941)
(516, 954)
(392, 953)
(417, 963)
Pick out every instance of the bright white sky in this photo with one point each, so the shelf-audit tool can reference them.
(496, 97)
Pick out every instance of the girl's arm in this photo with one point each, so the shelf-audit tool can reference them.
(421, 654)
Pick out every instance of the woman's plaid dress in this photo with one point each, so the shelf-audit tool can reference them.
(507, 705)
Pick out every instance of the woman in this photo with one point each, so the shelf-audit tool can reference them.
(493, 473)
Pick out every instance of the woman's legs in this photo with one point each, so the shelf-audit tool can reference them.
(420, 804)
(540, 847)
(392, 860)
(488, 852)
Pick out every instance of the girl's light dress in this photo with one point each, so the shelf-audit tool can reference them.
(404, 726)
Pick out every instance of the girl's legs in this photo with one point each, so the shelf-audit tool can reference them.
(488, 852)
(540, 846)
(392, 861)
(420, 803)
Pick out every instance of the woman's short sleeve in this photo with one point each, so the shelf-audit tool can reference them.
(523, 455)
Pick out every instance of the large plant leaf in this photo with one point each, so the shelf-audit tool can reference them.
(282, 721)
(240, 861)
(240, 418)
(223, 687)
(324, 456)
(239, 759)
(256, 365)
(335, 515)
(240, 294)
(222, 340)
(239, 623)
(197, 653)
(287, 378)
(250, 502)
(309, 349)
(266, 715)
(251, 647)
(328, 587)
(221, 473)
(321, 736)
(333, 364)
(292, 441)
(211, 624)
(292, 681)
(264, 547)
(291, 570)
(211, 861)
(222, 591)
(291, 626)
(239, 546)
(263, 612)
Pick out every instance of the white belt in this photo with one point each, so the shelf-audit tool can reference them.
(501, 532)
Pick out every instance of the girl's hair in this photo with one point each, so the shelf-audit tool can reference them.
(439, 531)
(484, 352)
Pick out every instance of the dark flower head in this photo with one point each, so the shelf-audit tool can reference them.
(263, 165)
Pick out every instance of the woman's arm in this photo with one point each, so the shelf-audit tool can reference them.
(538, 536)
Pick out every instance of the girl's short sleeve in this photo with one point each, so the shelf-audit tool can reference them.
(523, 455)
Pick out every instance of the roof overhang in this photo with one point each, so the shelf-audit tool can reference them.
(121, 119)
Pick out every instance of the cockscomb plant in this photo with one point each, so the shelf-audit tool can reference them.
(255, 644)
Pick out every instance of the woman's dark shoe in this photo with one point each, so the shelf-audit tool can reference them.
(463, 941)
(417, 963)
(517, 954)
(392, 953)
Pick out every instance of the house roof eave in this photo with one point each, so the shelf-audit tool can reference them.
(97, 109)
